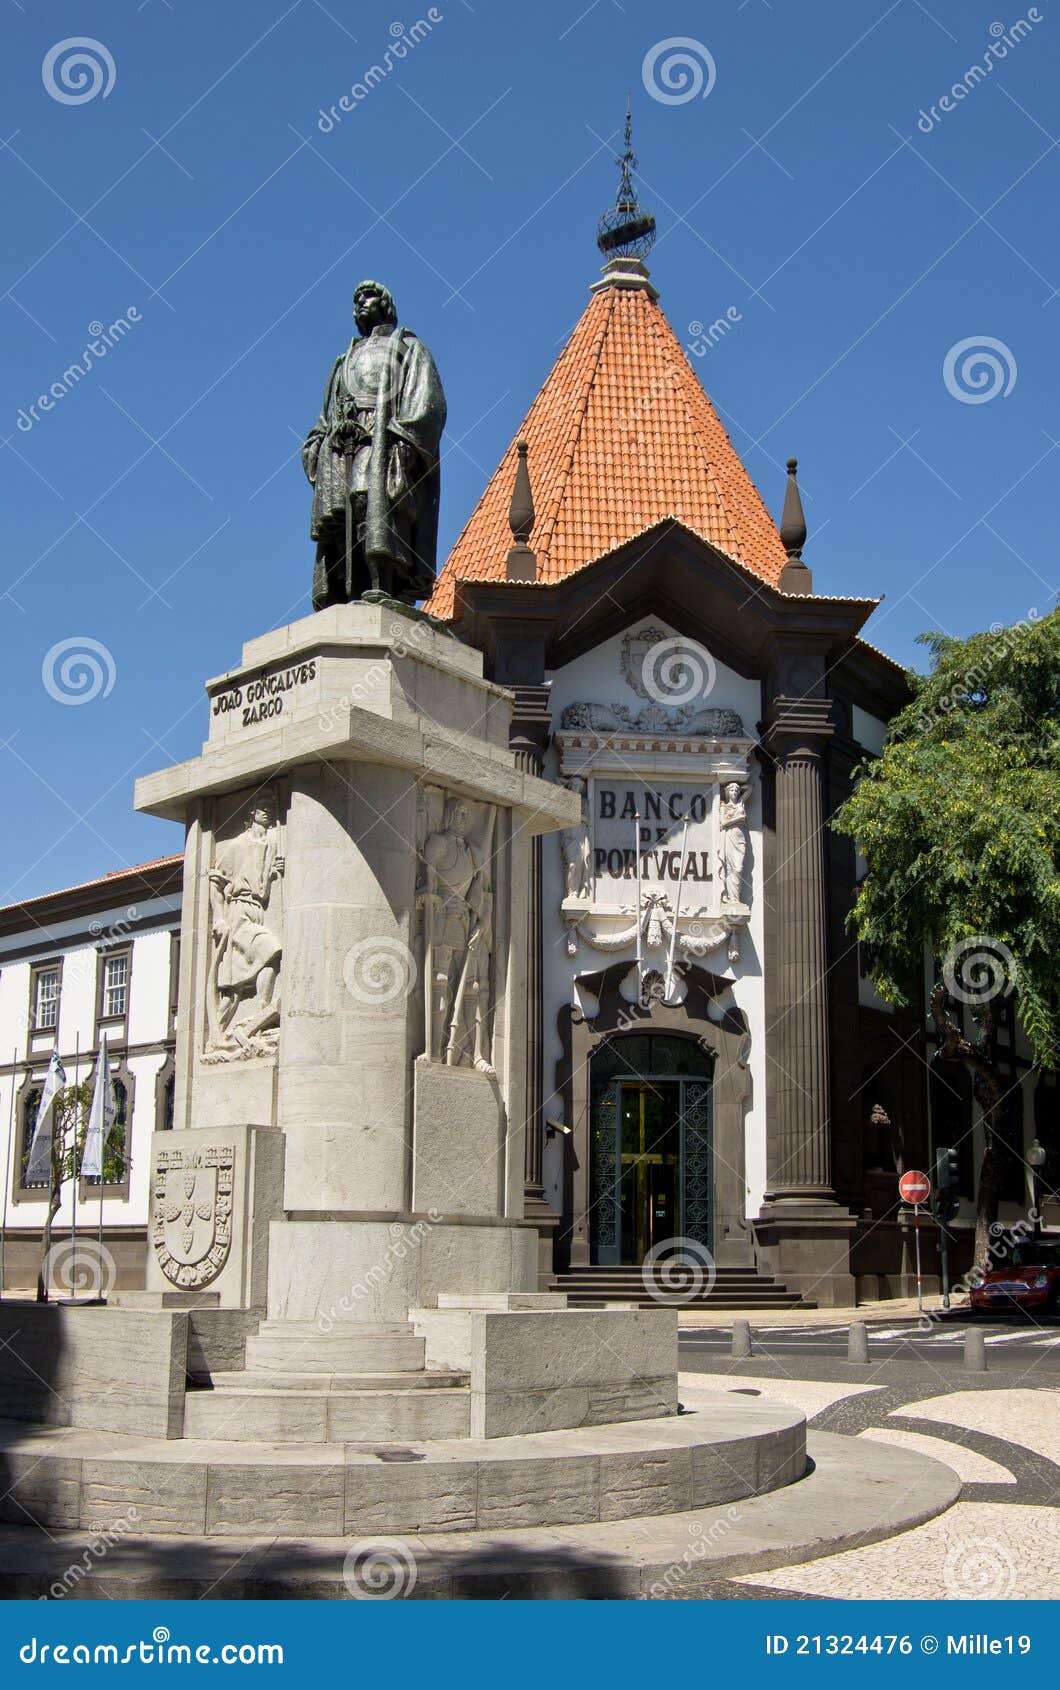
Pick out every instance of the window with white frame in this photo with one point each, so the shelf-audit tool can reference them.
(46, 1005)
(115, 984)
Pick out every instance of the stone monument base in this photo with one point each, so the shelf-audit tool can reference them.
(333, 1267)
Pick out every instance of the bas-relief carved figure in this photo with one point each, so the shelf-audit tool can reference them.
(372, 457)
(456, 898)
(732, 819)
(653, 718)
(242, 987)
(192, 1213)
(576, 845)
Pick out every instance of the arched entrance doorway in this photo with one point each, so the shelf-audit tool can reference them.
(651, 1146)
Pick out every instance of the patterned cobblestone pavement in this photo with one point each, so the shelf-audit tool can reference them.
(1000, 1434)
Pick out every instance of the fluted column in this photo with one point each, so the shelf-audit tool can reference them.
(799, 1148)
(532, 1141)
(530, 726)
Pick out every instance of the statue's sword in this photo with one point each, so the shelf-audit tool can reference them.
(347, 458)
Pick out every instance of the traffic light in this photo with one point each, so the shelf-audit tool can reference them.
(945, 1201)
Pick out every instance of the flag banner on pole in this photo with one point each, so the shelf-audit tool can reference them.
(39, 1171)
(100, 1117)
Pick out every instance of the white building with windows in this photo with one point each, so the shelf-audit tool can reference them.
(99, 958)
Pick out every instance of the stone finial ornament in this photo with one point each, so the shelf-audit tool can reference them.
(522, 562)
(795, 576)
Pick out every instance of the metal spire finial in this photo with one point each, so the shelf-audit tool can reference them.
(626, 230)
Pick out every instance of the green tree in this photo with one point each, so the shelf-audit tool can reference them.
(959, 823)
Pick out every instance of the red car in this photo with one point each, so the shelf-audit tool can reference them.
(1028, 1279)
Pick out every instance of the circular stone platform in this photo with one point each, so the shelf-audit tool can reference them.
(854, 1493)
(726, 1450)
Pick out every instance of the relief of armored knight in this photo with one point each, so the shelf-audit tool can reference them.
(456, 901)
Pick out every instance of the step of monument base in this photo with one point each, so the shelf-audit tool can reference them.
(344, 1350)
(730, 1448)
(327, 1416)
(855, 1494)
(264, 1379)
(325, 1327)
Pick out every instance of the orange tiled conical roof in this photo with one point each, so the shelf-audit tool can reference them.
(621, 436)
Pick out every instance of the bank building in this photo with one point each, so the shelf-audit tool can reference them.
(688, 1059)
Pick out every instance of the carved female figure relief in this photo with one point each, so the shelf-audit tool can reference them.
(733, 824)
(576, 847)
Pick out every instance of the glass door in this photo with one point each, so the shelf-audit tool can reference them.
(651, 1176)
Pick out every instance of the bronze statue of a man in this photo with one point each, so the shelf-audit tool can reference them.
(372, 457)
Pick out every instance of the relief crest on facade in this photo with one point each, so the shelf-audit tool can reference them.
(191, 1216)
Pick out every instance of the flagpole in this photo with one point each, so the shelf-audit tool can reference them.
(97, 1132)
(103, 1059)
(677, 912)
(640, 936)
(75, 1164)
(7, 1169)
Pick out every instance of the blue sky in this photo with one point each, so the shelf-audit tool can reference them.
(159, 509)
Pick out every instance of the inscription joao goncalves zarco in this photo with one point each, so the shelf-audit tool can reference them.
(264, 696)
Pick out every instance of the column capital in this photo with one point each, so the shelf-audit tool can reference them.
(794, 723)
(531, 726)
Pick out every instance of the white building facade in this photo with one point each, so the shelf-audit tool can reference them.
(94, 960)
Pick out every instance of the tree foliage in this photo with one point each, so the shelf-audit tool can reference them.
(959, 821)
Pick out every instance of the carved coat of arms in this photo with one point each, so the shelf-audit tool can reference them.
(192, 1214)
(634, 654)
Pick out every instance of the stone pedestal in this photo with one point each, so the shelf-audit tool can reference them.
(353, 967)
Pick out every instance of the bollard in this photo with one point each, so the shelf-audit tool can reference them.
(974, 1352)
(857, 1342)
(741, 1339)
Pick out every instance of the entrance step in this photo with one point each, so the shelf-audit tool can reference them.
(731, 1288)
(328, 1416)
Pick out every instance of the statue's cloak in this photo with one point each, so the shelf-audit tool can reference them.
(410, 406)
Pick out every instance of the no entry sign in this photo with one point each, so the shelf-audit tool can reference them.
(914, 1187)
